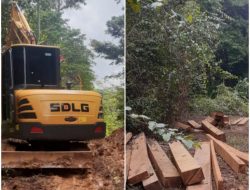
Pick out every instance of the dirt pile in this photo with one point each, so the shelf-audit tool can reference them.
(109, 159)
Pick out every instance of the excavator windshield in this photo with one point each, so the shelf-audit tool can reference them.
(33, 66)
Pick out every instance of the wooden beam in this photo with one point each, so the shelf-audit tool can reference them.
(216, 169)
(243, 121)
(187, 166)
(193, 124)
(237, 121)
(152, 183)
(209, 128)
(203, 157)
(211, 120)
(164, 168)
(139, 168)
(183, 126)
(128, 158)
(231, 159)
(128, 137)
(242, 155)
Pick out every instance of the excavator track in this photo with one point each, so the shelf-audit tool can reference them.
(55, 156)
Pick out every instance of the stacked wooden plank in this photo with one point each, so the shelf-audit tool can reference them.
(182, 126)
(203, 157)
(165, 169)
(211, 129)
(233, 157)
(148, 164)
(193, 124)
(241, 121)
(189, 169)
(140, 167)
(219, 119)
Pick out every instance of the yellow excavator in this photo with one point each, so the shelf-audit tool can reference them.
(32, 99)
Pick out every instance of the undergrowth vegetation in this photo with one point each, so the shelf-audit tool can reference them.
(186, 57)
(113, 109)
(228, 100)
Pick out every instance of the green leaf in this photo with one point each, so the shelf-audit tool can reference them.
(160, 125)
(166, 137)
(189, 19)
(160, 131)
(187, 143)
(151, 125)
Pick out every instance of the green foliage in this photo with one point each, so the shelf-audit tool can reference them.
(242, 88)
(227, 100)
(170, 50)
(160, 129)
(177, 56)
(110, 50)
(54, 30)
(113, 109)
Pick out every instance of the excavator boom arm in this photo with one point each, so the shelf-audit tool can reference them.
(19, 29)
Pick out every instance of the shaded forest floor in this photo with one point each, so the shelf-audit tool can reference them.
(106, 174)
(236, 136)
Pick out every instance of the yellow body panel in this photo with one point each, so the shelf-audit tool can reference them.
(41, 101)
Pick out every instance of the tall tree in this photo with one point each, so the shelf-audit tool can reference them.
(109, 50)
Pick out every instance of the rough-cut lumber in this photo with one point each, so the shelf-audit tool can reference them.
(187, 166)
(243, 121)
(140, 166)
(217, 113)
(128, 137)
(209, 128)
(218, 116)
(183, 126)
(165, 169)
(242, 155)
(152, 183)
(216, 169)
(128, 158)
(226, 119)
(211, 120)
(194, 124)
(203, 157)
(231, 159)
(237, 121)
(213, 114)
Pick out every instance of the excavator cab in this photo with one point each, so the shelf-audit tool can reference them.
(28, 67)
(32, 66)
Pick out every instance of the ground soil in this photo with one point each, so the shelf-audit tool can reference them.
(237, 136)
(106, 174)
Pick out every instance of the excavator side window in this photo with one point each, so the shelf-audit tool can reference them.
(18, 65)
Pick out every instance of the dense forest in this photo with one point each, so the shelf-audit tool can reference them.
(46, 20)
(186, 57)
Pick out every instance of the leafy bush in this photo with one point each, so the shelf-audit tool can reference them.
(113, 109)
(142, 123)
(227, 100)
(242, 88)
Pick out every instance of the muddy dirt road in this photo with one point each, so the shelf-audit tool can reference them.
(106, 174)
